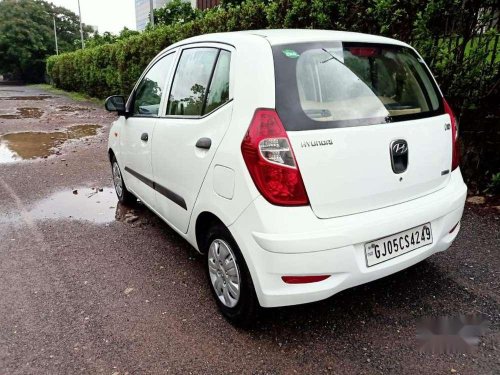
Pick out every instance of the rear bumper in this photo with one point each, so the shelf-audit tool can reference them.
(277, 241)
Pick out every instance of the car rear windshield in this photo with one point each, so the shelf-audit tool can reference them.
(334, 84)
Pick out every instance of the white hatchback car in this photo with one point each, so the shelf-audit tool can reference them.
(300, 162)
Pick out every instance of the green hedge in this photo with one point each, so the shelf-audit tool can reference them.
(110, 69)
(107, 69)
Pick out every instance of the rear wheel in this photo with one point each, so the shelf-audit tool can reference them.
(229, 277)
(124, 196)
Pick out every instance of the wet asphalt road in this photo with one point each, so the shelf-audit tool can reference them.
(117, 296)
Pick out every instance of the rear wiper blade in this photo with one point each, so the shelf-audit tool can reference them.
(331, 58)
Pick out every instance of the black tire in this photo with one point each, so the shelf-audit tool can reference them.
(125, 196)
(244, 313)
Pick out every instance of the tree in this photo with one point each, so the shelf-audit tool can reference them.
(27, 36)
(97, 39)
(176, 11)
(67, 25)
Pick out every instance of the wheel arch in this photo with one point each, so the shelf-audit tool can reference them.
(111, 154)
(204, 221)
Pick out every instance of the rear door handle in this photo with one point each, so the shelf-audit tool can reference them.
(205, 143)
(144, 137)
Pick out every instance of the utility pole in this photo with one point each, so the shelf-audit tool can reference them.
(81, 28)
(55, 29)
(151, 14)
(55, 34)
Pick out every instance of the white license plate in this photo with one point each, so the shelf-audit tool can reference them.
(389, 247)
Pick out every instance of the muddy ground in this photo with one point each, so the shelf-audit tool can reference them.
(87, 286)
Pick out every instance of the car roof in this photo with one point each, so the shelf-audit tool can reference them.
(287, 36)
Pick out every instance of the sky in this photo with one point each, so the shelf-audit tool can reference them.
(107, 15)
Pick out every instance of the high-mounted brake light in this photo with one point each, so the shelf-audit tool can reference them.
(455, 158)
(270, 160)
(364, 51)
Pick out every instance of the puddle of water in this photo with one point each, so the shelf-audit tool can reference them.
(24, 113)
(99, 206)
(25, 146)
(37, 97)
(87, 204)
(80, 131)
(10, 117)
(32, 145)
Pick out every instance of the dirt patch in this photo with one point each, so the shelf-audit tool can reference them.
(136, 215)
(69, 108)
(30, 112)
(487, 204)
(33, 145)
(81, 131)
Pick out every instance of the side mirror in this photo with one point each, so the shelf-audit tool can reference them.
(115, 103)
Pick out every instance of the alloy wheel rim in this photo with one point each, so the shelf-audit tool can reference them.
(224, 272)
(117, 179)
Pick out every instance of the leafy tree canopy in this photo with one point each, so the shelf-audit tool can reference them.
(27, 36)
(97, 39)
(174, 12)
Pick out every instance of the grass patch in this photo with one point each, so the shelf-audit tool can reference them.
(77, 96)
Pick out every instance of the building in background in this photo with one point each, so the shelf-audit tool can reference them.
(204, 4)
(142, 11)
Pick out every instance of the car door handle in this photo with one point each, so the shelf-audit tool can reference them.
(144, 137)
(205, 143)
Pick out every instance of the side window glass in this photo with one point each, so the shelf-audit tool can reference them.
(218, 93)
(148, 94)
(189, 87)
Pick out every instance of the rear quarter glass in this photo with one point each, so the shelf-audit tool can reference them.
(322, 85)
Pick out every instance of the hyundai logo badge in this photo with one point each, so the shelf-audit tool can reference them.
(399, 155)
(399, 147)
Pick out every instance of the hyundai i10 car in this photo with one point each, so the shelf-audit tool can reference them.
(299, 162)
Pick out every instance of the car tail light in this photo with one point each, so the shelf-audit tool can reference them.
(304, 279)
(455, 160)
(270, 160)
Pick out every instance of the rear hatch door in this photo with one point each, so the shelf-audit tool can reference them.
(366, 123)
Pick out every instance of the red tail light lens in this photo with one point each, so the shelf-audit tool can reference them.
(270, 160)
(455, 160)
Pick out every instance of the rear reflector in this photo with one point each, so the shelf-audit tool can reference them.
(304, 279)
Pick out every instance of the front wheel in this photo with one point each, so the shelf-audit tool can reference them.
(229, 278)
(124, 196)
